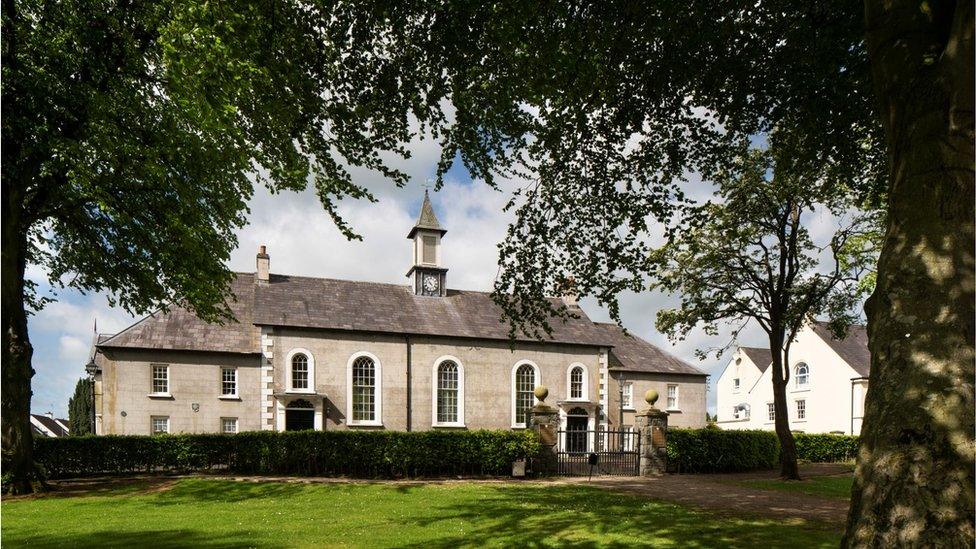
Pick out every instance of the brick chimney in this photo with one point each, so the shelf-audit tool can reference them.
(264, 266)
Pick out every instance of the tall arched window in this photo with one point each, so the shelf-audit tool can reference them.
(525, 382)
(299, 371)
(577, 377)
(364, 389)
(448, 392)
(802, 374)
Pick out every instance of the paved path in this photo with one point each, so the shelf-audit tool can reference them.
(722, 494)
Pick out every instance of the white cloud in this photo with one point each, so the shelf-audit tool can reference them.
(73, 349)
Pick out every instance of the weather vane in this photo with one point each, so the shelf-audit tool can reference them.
(428, 184)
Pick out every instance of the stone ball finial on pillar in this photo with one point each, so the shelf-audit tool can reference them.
(651, 397)
(541, 392)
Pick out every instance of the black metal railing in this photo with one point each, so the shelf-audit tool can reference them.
(617, 452)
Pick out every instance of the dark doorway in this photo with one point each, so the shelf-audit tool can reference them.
(300, 416)
(577, 423)
(299, 420)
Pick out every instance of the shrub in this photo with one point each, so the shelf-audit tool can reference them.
(370, 454)
(717, 451)
(825, 448)
(711, 450)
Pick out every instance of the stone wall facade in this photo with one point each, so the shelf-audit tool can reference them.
(690, 412)
(265, 394)
(124, 406)
(124, 383)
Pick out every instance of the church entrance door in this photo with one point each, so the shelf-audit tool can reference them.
(299, 416)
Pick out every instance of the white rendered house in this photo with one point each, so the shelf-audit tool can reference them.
(825, 394)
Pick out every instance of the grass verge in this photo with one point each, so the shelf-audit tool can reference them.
(224, 513)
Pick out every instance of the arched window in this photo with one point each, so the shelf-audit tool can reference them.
(448, 392)
(524, 380)
(363, 389)
(300, 372)
(576, 382)
(802, 374)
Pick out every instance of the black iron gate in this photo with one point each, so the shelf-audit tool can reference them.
(617, 452)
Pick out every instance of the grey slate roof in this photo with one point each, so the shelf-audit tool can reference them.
(853, 348)
(179, 329)
(427, 219)
(330, 304)
(391, 308)
(632, 353)
(759, 356)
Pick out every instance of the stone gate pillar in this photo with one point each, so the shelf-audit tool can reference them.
(544, 420)
(652, 424)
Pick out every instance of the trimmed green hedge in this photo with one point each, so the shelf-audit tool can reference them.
(717, 451)
(825, 448)
(368, 454)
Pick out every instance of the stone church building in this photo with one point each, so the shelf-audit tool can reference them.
(318, 353)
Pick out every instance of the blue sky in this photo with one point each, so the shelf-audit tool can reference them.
(302, 240)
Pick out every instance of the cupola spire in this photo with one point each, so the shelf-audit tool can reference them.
(427, 220)
(427, 272)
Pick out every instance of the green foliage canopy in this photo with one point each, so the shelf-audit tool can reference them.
(748, 253)
(81, 409)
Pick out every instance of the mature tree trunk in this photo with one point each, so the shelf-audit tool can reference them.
(15, 394)
(914, 480)
(788, 469)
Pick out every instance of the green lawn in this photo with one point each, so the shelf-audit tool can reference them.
(838, 487)
(216, 513)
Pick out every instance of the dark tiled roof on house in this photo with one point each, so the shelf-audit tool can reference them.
(50, 424)
(762, 358)
(853, 348)
(632, 353)
(391, 308)
(180, 329)
(330, 304)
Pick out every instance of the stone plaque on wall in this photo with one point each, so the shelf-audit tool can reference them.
(657, 437)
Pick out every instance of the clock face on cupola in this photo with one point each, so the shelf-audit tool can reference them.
(427, 273)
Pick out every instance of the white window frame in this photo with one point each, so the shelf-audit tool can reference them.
(800, 417)
(223, 425)
(377, 388)
(152, 425)
(677, 403)
(434, 384)
(628, 395)
(152, 381)
(236, 394)
(806, 377)
(585, 392)
(310, 390)
(736, 384)
(770, 411)
(741, 411)
(538, 381)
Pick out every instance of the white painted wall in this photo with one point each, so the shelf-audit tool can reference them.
(727, 397)
(828, 395)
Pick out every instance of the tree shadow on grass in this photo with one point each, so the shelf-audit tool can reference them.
(226, 491)
(164, 539)
(585, 517)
